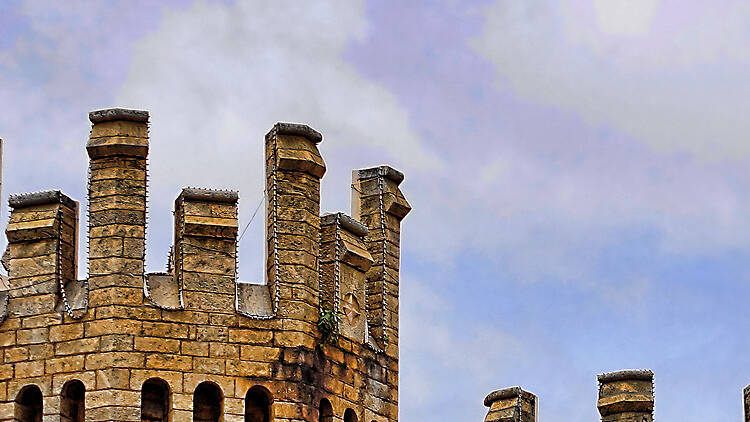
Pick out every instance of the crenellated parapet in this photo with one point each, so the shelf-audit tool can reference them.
(511, 405)
(117, 149)
(294, 168)
(43, 255)
(345, 261)
(377, 201)
(203, 261)
(624, 396)
(195, 342)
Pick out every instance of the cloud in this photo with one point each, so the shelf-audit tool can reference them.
(670, 76)
(474, 356)
(609, 131)
(58, 61)
(625, 18)
(217, 77)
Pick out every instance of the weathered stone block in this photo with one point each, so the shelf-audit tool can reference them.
(194, 348)
(212, 334)
(208, 365)
(66, 364)
(250, 336)
(210, 283)
(29, 369)
(112, 326)
(7, 338)
(157, 344)
(220, 350)
(85, 345)
(115, 342)
(32, 336)
(16, 354)
(172, 362)
(65, 332)
(114, 360)
(164, 329)
(210, 302)
(294, 339)
(112, 378)
(242, 368)
(6, 372)
(259, 353)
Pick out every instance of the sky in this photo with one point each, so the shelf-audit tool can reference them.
(577, 170)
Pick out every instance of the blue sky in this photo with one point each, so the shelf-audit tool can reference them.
(577, 170)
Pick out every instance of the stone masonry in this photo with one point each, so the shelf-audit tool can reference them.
(624, 396)
(193, 342)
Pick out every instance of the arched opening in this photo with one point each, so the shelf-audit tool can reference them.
(72, 402)
(257, 405)
(325, 411)
(29, 404)
(155, 401)
(208, 401)
(350, 416)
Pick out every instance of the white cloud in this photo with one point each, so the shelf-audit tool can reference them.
(625, 18)
(60, 61)
(216, 77)
(671, 76)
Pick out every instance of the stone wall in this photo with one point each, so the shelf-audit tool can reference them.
(194, 343)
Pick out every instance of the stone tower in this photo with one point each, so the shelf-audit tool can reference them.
(195, 343)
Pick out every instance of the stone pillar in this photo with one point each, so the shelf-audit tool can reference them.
(511, 405)
(379, 204)
(294, 168)
(205, 248)
(746, 402)
(344, 263)
(117, 149)
(42, 238)
(626, 396)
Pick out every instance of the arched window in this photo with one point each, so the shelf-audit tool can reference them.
(155, 401)
(29, 404)
(325, 411)
(257, 405)
(350, 416)
(207, 403)
(72, 402)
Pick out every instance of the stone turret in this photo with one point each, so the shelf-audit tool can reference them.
(626, 396)
(511, 405)
(42, 251)
(193, 342)
(294, 168)
(117, 150)
(344, 264)
(380, 205)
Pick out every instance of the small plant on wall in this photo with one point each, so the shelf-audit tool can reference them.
(328, 325)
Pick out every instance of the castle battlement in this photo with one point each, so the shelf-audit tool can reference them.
(318, 341)
(195, 343)
(624, 396)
